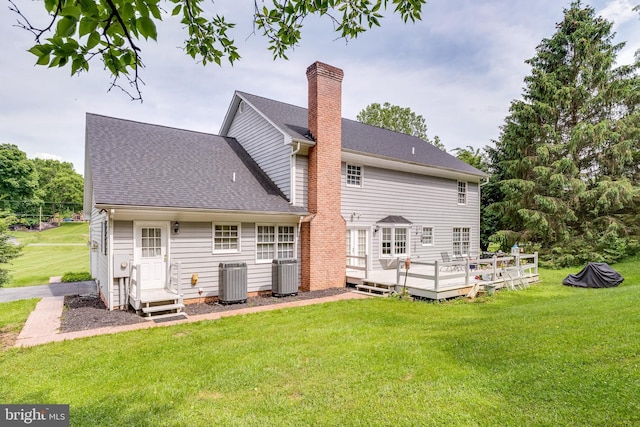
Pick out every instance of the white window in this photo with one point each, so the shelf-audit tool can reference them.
(427, 236)
(286, 241)
(226, 238)
(461, 241)
(354, 176)
(462, 193)
(394, 241)
(275, 242)
(151, 242)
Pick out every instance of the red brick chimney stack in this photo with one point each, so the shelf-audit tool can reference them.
(324, 234)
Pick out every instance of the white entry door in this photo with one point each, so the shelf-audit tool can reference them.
(151, 254)
(357, 247)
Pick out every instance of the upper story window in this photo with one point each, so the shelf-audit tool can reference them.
(462, 193)
(427, 236)
(226, 238)
(354, 176)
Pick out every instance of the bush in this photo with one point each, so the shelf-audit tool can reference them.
(76, 277)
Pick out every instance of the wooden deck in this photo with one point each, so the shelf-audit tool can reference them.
(437, 280)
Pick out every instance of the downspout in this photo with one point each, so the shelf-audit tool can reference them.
(110, 258)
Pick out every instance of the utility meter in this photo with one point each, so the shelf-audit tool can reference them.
(121, 267)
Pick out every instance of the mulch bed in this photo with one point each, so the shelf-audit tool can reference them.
(89, 312)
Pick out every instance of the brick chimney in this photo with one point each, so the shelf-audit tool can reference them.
(324, 232)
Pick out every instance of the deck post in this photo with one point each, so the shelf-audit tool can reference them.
(466, 272)
(437, 276)
(495, 270)
(535, 262)
(397, 271)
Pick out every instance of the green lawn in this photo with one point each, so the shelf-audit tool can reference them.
(64, 249)
(549, 355)
(13, 315)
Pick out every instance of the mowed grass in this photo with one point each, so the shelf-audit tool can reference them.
(13, 316)
(64, 250)
(549, 355)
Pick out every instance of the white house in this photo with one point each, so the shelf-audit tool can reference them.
(279, 182)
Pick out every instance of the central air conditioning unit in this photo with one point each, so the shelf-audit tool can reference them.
(232, 280)
(284, 277)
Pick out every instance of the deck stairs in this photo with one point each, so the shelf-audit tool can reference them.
(374, 289)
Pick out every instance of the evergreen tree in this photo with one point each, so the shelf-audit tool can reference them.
(566, 162)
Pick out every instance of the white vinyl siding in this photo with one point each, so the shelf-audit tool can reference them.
(426, 201)
(122, 245)
(301, 180)
(265, 144)
(192, 247)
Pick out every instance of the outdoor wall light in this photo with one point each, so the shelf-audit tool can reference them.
(375, 229)
(176, 227)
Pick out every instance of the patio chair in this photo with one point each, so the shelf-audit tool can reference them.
(446, 258)
(514, 279)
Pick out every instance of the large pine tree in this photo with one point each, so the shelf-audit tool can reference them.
(566, 162)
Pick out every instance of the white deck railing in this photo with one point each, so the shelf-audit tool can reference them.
(490, 269)
(357, 265)
(173, 283)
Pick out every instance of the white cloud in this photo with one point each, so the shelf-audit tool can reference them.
(460, 68)
(619, 11)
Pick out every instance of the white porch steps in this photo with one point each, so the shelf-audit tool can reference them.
(374, 289)
(159, 303)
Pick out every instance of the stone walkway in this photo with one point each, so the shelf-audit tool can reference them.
(43, 325)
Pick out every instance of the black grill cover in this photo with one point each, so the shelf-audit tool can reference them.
(594, 275)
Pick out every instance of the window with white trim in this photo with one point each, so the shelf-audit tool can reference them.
(354, 176)
(151, 242)
(275, 242)
(286, 242)
(427, 236)
(226, 238)
(393, 241)
(461, 241)
(462, 193)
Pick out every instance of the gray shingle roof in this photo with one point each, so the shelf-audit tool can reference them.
(141, 164)
(362, 138)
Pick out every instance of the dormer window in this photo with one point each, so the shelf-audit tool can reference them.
(354, 176)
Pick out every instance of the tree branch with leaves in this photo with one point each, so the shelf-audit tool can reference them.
(78, 31)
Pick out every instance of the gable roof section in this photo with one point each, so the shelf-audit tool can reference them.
(145, 165)
(361, 138)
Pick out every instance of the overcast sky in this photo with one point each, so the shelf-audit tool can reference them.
(460, 68)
